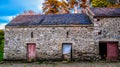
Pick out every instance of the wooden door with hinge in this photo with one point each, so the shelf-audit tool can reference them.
(112, 51)
(31, 52)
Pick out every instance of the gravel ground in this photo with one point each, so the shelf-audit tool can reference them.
(60, 64)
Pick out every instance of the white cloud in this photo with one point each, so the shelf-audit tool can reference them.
(2, 26)
(35, 5)
(7, 18)
(39, 6)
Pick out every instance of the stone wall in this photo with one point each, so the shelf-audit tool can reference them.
(49, 42)
(85, 40)
(107, 29)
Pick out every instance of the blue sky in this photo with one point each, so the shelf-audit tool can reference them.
(11, 8)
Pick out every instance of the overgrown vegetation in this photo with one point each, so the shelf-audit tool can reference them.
(1, 44)
(100, 3)
(105, 3)
(114, 5)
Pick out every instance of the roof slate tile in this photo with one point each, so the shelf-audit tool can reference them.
(106, 12)
(54, 19)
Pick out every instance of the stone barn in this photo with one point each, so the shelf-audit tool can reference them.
(91, 36)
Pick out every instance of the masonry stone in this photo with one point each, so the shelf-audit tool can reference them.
(49, 39)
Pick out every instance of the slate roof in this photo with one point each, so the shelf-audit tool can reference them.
(106, 12)
(57, 19)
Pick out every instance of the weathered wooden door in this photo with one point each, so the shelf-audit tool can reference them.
(31, 52)
(112, 51)
(67, 51)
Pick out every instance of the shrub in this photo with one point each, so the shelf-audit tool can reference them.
(1, 50)
(1, 44)
(1, 33)
(114, 5)
(100, 3)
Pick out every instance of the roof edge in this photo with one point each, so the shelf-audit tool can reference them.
(105, 16)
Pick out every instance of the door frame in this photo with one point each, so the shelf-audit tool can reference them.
(28, 52)
(70, 51)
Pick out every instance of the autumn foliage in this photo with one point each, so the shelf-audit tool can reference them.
(61, 7)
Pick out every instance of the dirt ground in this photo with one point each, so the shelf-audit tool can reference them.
(61, 64)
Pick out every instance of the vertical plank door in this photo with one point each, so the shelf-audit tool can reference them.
(31, 49)
(112, 51)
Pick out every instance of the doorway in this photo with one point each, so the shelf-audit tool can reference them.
(108, 50)
(31, 52)
(67, 51)
(103, 50)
